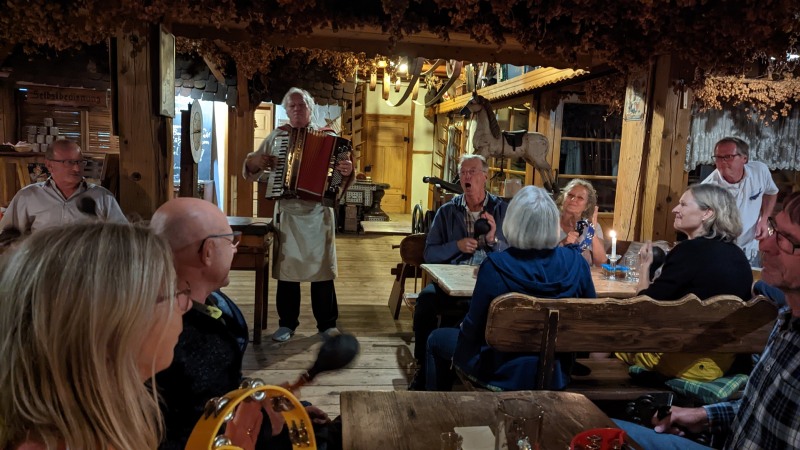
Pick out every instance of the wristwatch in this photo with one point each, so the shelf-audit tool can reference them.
(492, 243)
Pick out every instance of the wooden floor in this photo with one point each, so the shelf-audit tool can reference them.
(362, 290)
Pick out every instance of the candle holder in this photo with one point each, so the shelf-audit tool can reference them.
(613, 260)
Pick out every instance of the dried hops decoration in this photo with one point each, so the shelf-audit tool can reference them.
(625, 33)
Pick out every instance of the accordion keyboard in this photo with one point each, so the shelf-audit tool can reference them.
(275, 184)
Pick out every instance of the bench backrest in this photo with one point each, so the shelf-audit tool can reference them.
(521, 323)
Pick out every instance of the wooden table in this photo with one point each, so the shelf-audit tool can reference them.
(253, 254)
(459, 281)
(387, 227)
(404, 420)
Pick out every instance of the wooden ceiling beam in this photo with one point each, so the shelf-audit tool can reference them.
(372, 41)
(214, 68)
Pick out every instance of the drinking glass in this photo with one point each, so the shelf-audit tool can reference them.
(519, 425)
(613, 260)
(632, 262)
(451, 441)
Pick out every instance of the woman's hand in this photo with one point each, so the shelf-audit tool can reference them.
(594, 215)
(645, 261)
(276, 420)
(243, 429)
(646, 255)
(572, 238)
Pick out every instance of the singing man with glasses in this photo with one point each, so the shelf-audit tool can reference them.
(63, 198)
(751, 185)
(452, 240)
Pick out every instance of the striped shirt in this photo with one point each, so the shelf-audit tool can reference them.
(768, 414)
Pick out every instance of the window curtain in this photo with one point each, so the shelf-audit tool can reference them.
(776, 144)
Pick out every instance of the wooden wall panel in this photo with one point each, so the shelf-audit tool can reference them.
(145, 139)
(630, 181)
(241, 131)
(652, 155)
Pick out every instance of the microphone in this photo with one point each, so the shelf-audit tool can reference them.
(480, 228)
(88, 206)
(9, 236)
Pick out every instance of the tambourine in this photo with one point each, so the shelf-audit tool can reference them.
(220, 410)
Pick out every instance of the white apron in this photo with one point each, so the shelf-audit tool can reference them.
(305, 244)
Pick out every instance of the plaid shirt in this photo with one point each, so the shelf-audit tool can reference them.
(768, 414)
(470, 221)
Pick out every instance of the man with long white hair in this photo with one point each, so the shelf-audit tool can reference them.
(305, 248)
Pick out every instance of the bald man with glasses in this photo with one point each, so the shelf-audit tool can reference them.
(208, 356)
(63, 198)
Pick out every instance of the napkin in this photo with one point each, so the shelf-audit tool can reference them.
(476, 438)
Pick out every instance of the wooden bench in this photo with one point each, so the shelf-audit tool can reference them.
(521, 323)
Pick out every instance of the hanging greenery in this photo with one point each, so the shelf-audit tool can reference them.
(721, 41)
(767, 99)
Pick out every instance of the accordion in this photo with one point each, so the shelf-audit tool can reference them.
(305, 166)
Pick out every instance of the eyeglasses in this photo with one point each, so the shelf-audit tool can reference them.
(235, 239)
(71, 162)
(470, 172)
(182, 297)
(572, 196)
(783, 240)
(726, 158)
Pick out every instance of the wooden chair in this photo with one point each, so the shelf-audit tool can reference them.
(726, 324)
(412, 249)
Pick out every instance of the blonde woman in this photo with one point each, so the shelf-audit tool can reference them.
(90, 313)
(579, 225)
(709, 263)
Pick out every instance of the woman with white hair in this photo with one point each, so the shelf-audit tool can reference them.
(534, 264)
(90, 312)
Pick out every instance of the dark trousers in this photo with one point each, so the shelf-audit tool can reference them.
(433, 304)
(323, 304)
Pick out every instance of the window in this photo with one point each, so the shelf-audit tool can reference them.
(589, 149)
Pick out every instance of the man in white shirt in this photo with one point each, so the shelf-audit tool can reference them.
(751, 185)
(64, 198)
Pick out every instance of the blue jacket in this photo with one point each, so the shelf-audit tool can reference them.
(449, 226)
(557, 273)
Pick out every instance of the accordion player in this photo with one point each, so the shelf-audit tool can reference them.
(305, 166)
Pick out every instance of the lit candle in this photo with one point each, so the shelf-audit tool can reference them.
(613, 235)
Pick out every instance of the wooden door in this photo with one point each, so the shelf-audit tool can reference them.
(263, 127)
(388, 141)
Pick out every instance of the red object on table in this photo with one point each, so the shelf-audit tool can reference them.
(608, 436)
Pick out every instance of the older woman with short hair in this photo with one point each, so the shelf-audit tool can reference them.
(709, 263)
(535, 265)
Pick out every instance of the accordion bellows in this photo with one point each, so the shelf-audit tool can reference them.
(305, 166)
